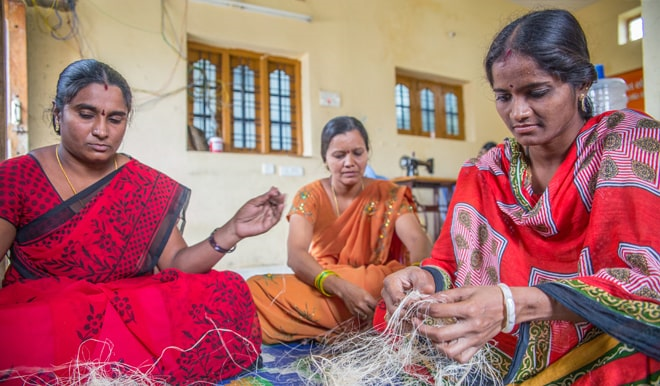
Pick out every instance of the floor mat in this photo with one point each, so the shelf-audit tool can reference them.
(277, 366)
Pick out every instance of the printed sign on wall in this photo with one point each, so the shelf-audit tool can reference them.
(635, 82)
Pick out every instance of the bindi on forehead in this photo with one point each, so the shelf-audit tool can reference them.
(103, 113)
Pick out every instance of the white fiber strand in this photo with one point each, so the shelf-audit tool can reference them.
(398, 356)
(102, 372)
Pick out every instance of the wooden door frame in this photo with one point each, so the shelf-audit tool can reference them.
(3, 80)
(15, 79)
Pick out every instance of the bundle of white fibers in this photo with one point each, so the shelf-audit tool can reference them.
(397, 356)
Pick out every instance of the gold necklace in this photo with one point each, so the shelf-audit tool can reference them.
(334, 196)
(57, 156)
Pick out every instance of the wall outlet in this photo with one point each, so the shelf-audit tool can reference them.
(267, 169)
(329, 99)
(292, 171)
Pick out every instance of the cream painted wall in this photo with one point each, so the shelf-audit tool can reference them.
(351, 47)
(651, 12)
(599, 22)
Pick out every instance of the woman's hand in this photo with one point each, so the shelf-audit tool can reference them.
(479, 314)
(398, 284)
(7, 236)
(358, 301)
(259, 214)
(255, 217)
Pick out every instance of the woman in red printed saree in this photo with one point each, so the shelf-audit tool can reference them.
(346, 233)
(102, 275)
(557, 266)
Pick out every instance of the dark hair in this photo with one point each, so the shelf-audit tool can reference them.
(341, 125)
(554, 39)
(81, 74)
(488, 145)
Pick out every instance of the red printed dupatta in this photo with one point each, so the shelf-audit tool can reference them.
(114, 229)
(589, 241)
(101, 304)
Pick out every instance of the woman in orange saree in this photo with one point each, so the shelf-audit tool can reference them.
(346, 234)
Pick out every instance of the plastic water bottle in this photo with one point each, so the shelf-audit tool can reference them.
(608, 93)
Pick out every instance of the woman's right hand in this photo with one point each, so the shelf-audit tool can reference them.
(258, 215)
(359, 302)
(398, 284)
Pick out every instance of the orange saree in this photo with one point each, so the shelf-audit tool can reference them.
(361, 246)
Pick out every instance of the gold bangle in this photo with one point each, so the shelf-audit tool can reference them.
(320, 279)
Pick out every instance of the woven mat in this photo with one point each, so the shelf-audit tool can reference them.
(277, 367)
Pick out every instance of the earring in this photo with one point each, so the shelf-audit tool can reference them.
(583, 102)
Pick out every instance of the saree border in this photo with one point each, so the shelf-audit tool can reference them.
(640, 334)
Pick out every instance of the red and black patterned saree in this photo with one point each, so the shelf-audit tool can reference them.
(590, 241)
(81, 289)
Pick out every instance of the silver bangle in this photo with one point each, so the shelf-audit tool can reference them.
(510, 307)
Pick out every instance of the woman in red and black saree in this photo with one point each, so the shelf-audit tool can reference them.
(346, 233)
(100, 277)
(550, 251)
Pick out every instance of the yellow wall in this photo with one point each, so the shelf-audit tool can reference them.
(351, 47)
(599, 22)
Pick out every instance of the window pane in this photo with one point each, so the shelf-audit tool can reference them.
(204, 93)
(451, 113)
(280, 136)
(635, 29)
(402, 101)
(427, 106)
(280, 111)
(244, 108)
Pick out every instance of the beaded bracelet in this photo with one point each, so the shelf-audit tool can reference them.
(217, 247)
(510, 307)
(320, 279)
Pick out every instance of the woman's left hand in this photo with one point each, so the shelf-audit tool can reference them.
(259, 214)
(479, 314)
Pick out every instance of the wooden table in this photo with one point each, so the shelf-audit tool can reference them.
(437, 209)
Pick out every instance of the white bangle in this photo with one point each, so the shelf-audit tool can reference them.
(510, 307)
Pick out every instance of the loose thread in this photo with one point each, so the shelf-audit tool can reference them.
(282, 291)
(104, 372)
(397, 356)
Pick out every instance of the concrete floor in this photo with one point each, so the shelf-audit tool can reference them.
(251, 271)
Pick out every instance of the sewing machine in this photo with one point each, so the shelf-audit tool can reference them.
(411, 164)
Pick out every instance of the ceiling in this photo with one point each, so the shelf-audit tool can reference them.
(571, 5)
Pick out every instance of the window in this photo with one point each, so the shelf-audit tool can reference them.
(631, 26)
(428, 108)
(251, 100)
(635, 28)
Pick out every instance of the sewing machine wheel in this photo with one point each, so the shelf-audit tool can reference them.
(404, 162)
